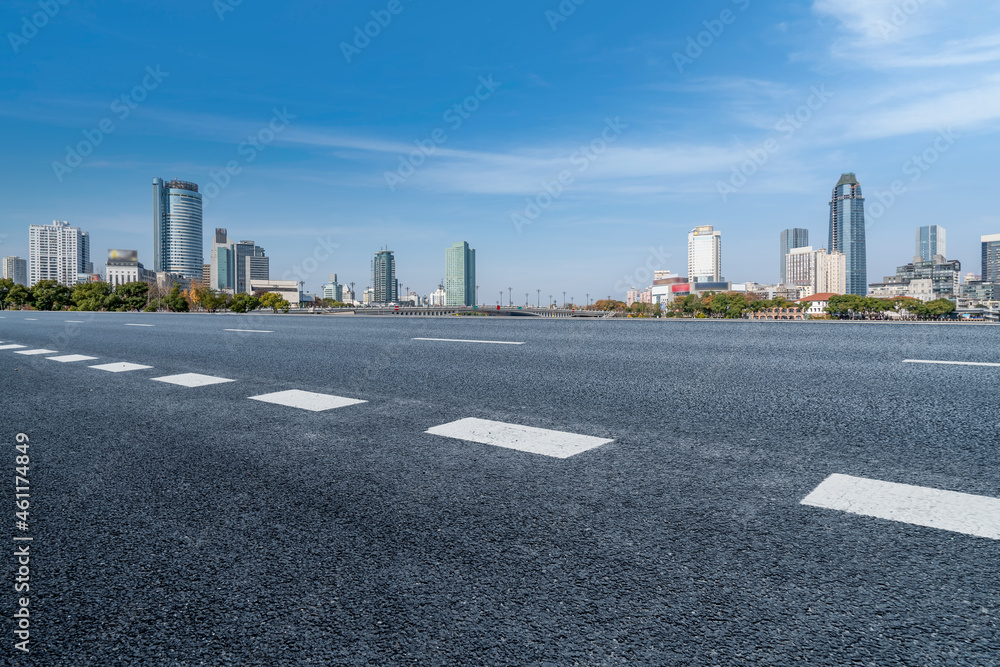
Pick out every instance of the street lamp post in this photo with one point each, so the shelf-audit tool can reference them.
(477, 295)
(539, 303)
(588, 300)
(564, 298)
(500, 300)
(510, 297)
(526, 299)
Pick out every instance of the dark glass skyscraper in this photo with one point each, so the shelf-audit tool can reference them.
(930, 242)
(790, 240)
(847, 231)
(384, 277)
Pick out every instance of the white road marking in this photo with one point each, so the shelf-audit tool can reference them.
(31, 353)
(307, 400)
(11, 347)
(69, 358)
(121, 367)
(458, 340)
(248, 331)
(31, 319)
(140, 325)
(75, 321)
(192, 380)
(949, 363)
(917, 505)
(558, 444)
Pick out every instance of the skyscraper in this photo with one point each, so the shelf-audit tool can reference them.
(847, 231)
(243, 251)
(58, 252)
(790, 240)
(16, 269)
(460, 275)
(991, 258)
(223, 270)
(384, 285)
(177, 228)
(815, 271)
(705, 255)
(930, 242)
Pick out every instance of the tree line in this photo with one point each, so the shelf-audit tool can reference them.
(734, 305)
(131, 297)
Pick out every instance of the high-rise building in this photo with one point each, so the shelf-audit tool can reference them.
(333, 289)
(460, 275)
(58, 252)
(930, 242)
(177, 228)
(258, 267)
(791, 239)
(705, 255)
(816, 271)
(385, 287)
(938, 278)
(991, 258)
(847, 231)
(16, 269)
(222, 275)
(241, 252)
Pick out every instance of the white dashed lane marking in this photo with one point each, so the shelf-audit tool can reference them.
(558, 444)
(121, 367)
(248, 331)
(32, 353)
(917, 505)
(140, 325)
(950, 363)
(192, 380)
(70, 358)
(31, 319)
(459, 340)
(11, 347)
(307, 400)
(75, 321)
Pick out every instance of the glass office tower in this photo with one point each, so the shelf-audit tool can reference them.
(930, 242)
(177, 228)
(847, 231)
(460, 275)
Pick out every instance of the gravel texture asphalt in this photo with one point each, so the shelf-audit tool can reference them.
(176, 525)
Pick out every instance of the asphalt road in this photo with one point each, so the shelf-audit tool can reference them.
(177, 525)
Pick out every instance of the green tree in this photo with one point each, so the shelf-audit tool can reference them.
(19, 296)
(175, 301)
(50, 295)
(90, 296)
(6, 284)
(275, 302)
(244, 303)
(213, 301)
(132, 296)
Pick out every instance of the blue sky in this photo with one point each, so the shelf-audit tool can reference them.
(657, 116)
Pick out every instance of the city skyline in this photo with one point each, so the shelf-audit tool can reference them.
(640, 140)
